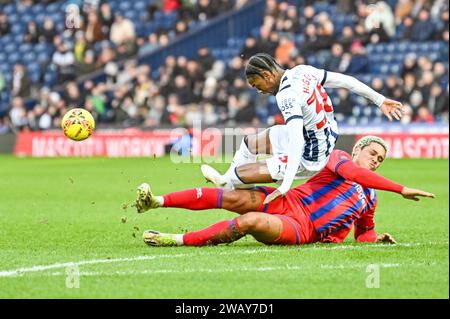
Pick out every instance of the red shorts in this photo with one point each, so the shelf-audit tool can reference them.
(297, 226)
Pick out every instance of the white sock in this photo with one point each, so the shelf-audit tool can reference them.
(241, 157)
(179, 239)
(160, 200)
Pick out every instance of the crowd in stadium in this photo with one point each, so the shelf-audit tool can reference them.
(214, 90)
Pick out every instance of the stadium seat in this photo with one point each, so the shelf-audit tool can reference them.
(9, 48)
(37, 8)
(14, 57)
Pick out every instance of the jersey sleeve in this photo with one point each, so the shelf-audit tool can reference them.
(337, 158)
(365, 224)
(290, 103)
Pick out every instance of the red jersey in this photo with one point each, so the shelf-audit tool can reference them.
(334, 204)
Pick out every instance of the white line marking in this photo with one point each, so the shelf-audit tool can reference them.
(38, 268)
(225, 270)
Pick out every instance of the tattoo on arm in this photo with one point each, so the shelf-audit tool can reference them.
(253, 197)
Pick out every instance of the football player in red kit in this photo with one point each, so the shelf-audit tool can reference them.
(324, 209)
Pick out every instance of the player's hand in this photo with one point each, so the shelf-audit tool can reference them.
(411, 193)
(272, 196)
(386, 238)
(392, 108)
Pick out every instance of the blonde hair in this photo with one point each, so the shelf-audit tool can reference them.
(366, 140)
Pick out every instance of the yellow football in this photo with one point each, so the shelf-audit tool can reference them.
(78, 124)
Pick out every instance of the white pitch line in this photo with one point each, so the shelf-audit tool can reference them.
(226, 270)
(38, 268)
(178, 271)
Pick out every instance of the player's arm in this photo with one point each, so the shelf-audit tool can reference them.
(295, 147)
(368, 179)
(365, 228)
(389, 107)
(290, 107)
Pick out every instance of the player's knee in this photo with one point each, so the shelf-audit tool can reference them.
(232, 197)
(251, 223)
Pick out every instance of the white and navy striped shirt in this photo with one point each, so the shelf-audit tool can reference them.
(301, 95)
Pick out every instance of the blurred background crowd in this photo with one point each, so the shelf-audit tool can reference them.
(399, 48)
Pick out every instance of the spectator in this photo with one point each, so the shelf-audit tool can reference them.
(4, 125)
(107, 54)
(292, 21)
(236, 69)
(409, 86)
(263, 44)
(423, 115)
(308, 17)
(409, 65)
(311, 38)
(285, 51)
(18, 113)
(249, 48)
(440, 73)
(4, 24)
(325, 36)
(424, 84)
(80, 46)
(72, 95)
(48, 32)
(205, 10)
(359, 61)
(181, 27)
(391, 85)
(347, 38)
(88, 64)
(380, 20)
(378, 85)
(64, 59)
(407, 28)
(438, 100)
(175, 111)
(94, 29)
(32, 33)
(151, 44)
(361, 35)
(170, 6)
(333, 61)
(106, 18)
(403, 8)
(122, 30)
(20, 83)
(271, 9)
(345, 103)
(423, 28)
(205, 59)
(183, 90)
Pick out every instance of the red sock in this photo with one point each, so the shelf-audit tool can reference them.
(195, 198)
(225, 231)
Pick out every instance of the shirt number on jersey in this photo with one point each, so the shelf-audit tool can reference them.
(320, 105)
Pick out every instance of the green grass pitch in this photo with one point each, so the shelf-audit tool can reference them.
(57, 214)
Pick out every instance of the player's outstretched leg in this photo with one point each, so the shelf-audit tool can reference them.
(238, 201)
(263, 227)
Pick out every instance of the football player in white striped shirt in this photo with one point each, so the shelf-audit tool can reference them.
(302, 146)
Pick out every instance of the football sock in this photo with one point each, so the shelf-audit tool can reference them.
(225, 231)
(241, 157)
(195, 198)
(160, 200)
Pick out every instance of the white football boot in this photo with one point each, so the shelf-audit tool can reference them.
(215, 177)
